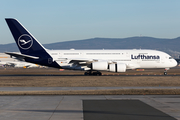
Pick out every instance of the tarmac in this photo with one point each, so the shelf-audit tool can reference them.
(78, 88)
(86, 107)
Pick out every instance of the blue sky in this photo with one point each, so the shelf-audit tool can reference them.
(63, 20)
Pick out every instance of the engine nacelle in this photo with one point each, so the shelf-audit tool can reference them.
(99, 65)
(119, 67)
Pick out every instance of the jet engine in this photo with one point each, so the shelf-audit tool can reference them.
(119, 67)
(103, 65)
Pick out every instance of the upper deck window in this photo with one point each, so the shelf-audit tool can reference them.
(54, 53)
(71, 53)
(102, 53)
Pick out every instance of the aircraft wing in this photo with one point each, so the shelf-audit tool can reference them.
(11, 63)
(82, 61)
(87, 62)
(20, 56)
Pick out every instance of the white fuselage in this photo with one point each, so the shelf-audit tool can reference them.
(131, 58)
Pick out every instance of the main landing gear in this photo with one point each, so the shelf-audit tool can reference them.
(97, 73)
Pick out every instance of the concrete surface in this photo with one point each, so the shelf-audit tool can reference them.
(121, 110)
(62, 107)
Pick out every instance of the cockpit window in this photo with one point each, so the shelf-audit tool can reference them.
(170, 57)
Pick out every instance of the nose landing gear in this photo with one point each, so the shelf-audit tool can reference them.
(165, 71)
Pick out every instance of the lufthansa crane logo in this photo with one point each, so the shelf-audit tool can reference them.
(25, 41)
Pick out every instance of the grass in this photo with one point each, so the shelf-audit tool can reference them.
(76, 79)
(98, 92)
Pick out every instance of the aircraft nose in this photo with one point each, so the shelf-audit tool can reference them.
(174, 63)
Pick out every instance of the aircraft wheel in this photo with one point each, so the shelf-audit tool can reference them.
(86, 73)
(97, 73)
(165, 73)
(94, 73)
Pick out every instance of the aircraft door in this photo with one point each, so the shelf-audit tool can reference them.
(60, 55)
(81, 54)
(162, 60)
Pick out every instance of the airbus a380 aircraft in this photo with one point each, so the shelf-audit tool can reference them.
(89, 60)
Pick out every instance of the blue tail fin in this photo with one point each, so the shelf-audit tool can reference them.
(26, 43)
(31, 50)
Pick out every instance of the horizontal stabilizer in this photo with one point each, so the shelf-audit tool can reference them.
(21, 56)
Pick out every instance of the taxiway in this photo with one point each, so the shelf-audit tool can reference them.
(62, 107)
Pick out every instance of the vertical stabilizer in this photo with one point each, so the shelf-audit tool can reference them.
(29, 47)
(26, 42)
